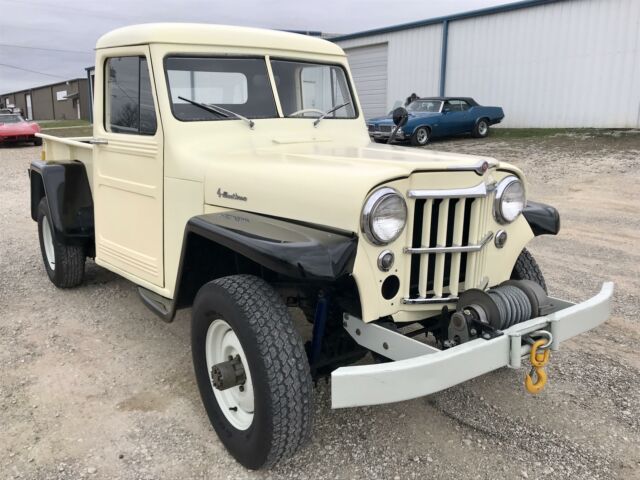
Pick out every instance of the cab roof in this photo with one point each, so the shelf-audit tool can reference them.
(215, 35)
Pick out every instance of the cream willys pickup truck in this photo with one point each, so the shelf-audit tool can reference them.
(230, 171)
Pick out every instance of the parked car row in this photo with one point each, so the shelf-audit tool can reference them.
(434, 117)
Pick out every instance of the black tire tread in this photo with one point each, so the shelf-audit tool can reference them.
(526, 268)
(70, 259)
(287, 367)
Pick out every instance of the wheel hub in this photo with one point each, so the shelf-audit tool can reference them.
(228, 374)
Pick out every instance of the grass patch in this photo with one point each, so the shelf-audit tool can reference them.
(508, 133)
(63, 123)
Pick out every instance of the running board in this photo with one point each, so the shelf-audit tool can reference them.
(161, 306)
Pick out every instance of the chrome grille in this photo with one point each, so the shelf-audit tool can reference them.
(449, 233)
(385, 128)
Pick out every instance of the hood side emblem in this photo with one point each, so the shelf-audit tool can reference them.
(230, 196)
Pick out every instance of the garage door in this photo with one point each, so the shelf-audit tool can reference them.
(369, 70)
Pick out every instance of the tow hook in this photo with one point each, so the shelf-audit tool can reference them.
(539, 358)
(228, 374)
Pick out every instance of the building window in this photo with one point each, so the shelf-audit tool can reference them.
(129, 99)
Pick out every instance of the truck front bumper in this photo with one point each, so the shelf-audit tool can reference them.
(426, 374)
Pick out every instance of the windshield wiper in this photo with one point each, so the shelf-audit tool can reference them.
(223, 112)
(328, 112)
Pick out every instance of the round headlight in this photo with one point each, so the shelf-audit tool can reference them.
(510, 200)
(384, 216)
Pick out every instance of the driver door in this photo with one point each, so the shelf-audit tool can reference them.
(128, 170)
(453, 118)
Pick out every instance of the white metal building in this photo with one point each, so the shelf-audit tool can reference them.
(548, 63)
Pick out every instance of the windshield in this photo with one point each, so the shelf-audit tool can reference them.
(424, 106)
(239, 85)
(311, 89)
(11, 119)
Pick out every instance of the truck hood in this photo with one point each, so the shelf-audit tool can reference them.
(310, 182)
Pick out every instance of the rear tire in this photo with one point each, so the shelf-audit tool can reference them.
(420, 137)
(273, 355)
(64, 263)
(526, 268)
(481, 130)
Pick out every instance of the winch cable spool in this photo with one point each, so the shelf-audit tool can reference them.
(512, 302)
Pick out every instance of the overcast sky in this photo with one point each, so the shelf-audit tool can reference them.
(57, 37)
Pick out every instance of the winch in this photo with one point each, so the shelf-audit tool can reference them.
(486, 313)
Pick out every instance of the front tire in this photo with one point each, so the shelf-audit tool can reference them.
(275, 362)
(420, 137)
(64, 263)
(526, 268)
(37, 142)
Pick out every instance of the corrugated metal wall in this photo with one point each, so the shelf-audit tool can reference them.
(574, 63)
(413, 61)
(568, 64)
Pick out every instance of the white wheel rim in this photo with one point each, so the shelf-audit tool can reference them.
(422, 136)
(236, 403)
(482, 128)
(47, 240)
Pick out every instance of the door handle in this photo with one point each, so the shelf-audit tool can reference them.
(98, 141)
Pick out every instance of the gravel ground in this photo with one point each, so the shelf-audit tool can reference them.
(92, 385)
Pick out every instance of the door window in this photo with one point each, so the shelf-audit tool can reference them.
(129, 98)
(457, 105)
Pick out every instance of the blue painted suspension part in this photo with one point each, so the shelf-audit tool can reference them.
(319, 324)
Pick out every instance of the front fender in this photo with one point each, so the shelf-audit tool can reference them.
(543, 219)
(290, 248)
(411, 127)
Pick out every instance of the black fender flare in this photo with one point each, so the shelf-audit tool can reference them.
(66, 188)
(298, 251)
(543, 219)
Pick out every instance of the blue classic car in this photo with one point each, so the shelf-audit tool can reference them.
(437, 117)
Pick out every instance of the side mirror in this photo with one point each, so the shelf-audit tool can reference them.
(400, 116)
(446, 110)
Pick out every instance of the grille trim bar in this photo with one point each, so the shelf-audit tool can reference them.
(432, 300)
(480, 190)
(465, 249)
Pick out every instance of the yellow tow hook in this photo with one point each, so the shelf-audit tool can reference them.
(539, 358)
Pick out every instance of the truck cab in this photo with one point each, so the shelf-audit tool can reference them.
(230, 171)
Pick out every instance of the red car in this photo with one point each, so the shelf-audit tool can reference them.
(14, 129)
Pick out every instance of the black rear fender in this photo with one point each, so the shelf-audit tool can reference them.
(66, 188)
